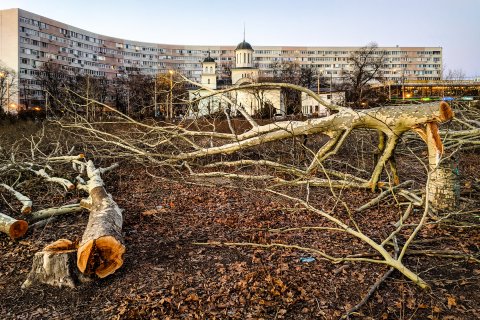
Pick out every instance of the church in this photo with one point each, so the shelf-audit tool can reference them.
(254, 102)
(267, 102)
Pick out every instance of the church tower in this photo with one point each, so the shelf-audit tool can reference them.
(244, 71)
(244, 55)
(209, 72)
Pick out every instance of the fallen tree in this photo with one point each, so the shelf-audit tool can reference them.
(187, 146)
(199, 152)
(181, 146)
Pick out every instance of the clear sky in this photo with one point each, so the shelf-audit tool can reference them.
(451, 24)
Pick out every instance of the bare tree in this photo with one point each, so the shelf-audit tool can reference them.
(54, 80)
(455, 74)
(293, 73)
(8, 88)
(365, 68)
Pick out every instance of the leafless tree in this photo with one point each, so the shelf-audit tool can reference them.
(54, 80)
(293, 73)
(8, 87)
(204, 152)
(365, 68)
(455, 74)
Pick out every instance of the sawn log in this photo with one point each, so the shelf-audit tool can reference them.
(12, 227)
(101, 250)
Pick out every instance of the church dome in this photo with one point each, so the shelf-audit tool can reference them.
(208, 59)
(244, 45)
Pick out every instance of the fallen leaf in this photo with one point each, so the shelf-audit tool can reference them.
(451, 302)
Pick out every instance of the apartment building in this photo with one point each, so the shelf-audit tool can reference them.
(28, 40)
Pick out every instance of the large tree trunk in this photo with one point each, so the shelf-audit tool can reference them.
(63, 263)
(55, 266)
(101, 249)
(12, 227)
(444, 186)
(392, 121)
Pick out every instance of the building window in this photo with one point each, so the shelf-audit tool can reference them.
(208, 81)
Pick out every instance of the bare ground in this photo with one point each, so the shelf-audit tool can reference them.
(166, 275)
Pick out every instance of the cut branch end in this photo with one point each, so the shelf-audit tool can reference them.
(102, 256)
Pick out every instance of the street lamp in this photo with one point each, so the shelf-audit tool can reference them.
(171, 94)
(155, 106)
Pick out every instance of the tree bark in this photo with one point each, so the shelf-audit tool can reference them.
(12, 227)
(101, 249)
(393, 121)
(444, 186)
(50, 212)
(55, 266)
(26, 202)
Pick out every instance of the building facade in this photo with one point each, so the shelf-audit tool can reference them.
(28, 40)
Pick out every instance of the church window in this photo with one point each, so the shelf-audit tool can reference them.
(208, 81)
(244, 57)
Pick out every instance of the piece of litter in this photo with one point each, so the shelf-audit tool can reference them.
(308, 259)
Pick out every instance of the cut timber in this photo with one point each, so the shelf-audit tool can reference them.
(101, 250)
(26, 202)
(51, 212)
(13, 227)
(67, 185)
(55, 266)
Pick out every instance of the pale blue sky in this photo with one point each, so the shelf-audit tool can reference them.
(451, 24)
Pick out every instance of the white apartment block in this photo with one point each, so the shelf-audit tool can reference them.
(27, 40)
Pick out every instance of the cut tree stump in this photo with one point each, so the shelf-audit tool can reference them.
(101, 249)
(12, 227)
(55, 266)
